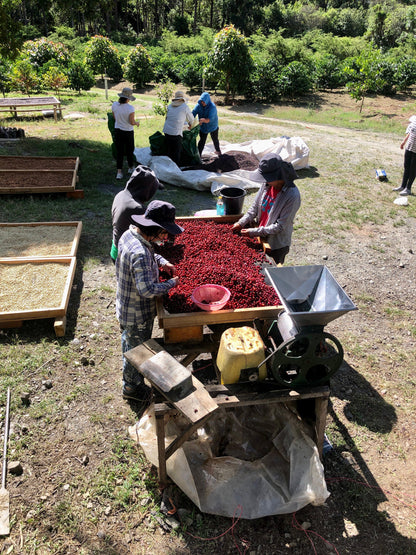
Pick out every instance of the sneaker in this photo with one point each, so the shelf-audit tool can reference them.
(130, 171)
(405, 193)
(140, 393)
(398, 188)
(119, 175)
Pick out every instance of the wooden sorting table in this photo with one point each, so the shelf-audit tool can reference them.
(40, 174)
(189, 326)
(31, 249)
(225, 396)
(31, 104)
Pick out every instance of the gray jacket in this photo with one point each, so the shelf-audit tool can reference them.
(279, 227)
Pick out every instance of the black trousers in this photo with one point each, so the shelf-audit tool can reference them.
(173, 145)
(279, 255)
(203, 140)
(409, 173)
(124, 141)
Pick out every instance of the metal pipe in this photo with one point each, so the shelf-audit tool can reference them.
(6, 438)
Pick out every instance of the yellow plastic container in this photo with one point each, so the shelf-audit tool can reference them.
(240, 348)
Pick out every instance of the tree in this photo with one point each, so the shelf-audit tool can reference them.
(55, 79)
(230, 56)
(138, 67)
(10, 41)
(102, 57)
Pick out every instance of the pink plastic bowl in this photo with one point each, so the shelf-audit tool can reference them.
(210, 297)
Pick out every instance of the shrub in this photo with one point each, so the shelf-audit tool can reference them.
(164, 94)
(405, 74)
(5, 77)
(41, 51)
(263, 84)
(55, 79)
(138, 67)
(328, 72)
(80, 77)
(24, 77)
(191, 73)
(166, 67)
(103, 57)
(294, 80)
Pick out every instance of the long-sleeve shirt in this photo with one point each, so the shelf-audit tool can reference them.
(137, 271)
(279, 225)
(176, 116)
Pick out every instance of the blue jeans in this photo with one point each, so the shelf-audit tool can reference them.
(131, 337)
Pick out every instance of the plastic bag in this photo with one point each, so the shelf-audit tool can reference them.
(260, 458)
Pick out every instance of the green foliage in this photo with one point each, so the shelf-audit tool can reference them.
(295, 79)
(138, 67)
(166, 66)
(164, 95)
(55, 79)
(5, 77)
(41, 51)
(80, 77)
(263, 84)
(24, 77)
(328, 72)
(231, 57)
(10, 27)
(191, 73)
(103, 57)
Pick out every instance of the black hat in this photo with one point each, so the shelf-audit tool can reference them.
(273, 168)
(161, 214)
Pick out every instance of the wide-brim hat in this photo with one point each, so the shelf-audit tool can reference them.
(161, 214)
(179, 95)
(127, 93)
(273, 168)
(412, 119)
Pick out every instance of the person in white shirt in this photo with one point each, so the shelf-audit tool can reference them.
(409, 146)
(178, 113)
(125, 121)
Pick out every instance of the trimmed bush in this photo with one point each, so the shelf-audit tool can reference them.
(138, 67)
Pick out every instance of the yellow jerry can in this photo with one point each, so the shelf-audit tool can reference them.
(241, 348)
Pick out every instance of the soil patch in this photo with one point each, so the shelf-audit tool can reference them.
(228, 162)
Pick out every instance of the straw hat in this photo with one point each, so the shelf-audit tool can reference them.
(127, 93)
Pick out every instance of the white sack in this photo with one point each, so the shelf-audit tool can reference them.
(269, 464)
(291, 149)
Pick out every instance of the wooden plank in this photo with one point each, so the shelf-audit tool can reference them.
(4, 512)
(187, 319)
(59, 326)
(44, 312)
(170, 377)
(321, 411)
(196, 405)
(77, 225)
(190, 334)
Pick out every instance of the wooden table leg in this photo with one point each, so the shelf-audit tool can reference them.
(321, 410)
(161, 452)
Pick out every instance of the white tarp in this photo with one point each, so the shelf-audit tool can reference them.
(291, 149)
(259, 458)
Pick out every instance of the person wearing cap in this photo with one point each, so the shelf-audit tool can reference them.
(138, 285)
(125, 121)
(409, 146)
(178, 112)
(140, 189)
(207, 114)
(273, 211)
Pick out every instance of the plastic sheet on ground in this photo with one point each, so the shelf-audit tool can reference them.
(259, 458)
(291, 149)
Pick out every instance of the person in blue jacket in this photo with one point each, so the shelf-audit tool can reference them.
(207, 114)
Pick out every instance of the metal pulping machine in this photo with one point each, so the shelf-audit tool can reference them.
(297, 350)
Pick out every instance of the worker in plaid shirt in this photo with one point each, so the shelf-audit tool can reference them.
(137, 271)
